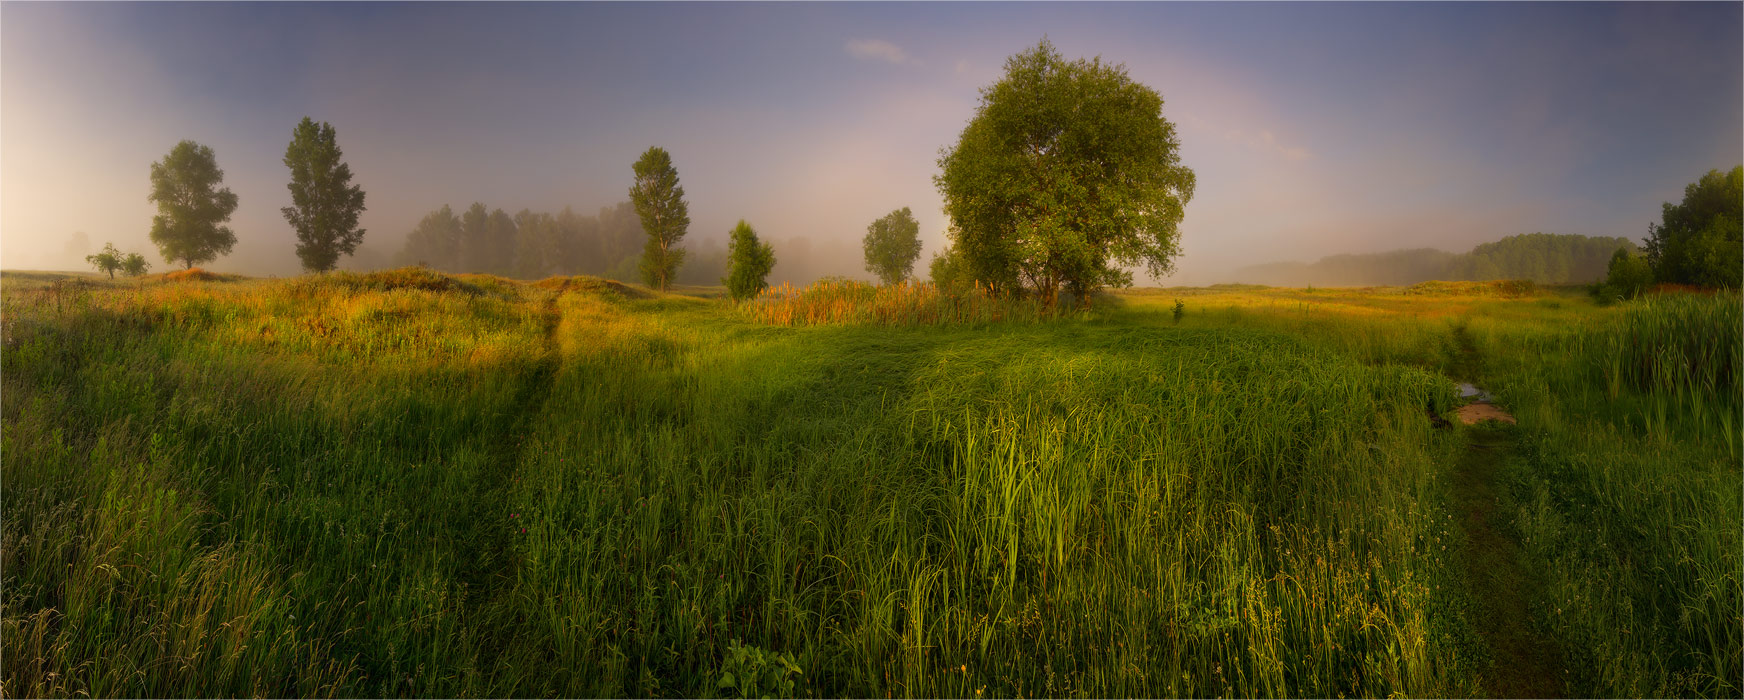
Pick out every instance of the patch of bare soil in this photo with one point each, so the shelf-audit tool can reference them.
(1473, 413)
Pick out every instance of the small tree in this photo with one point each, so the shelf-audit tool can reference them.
(665, 217)
(1067, 172)
(1700, 241)
(749, 261)
(324, 204)
(191, 206)
(892, 245)
(134, 265)
(109, 260)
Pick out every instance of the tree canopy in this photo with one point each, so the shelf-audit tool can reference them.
(1699, 240)
(749, 262)
(1067, 171)
(892, 244)
(665, 217)
(191, 207)
(324, 204)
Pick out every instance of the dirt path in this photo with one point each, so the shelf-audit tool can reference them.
(1500, 583)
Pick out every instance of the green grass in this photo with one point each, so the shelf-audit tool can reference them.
(414, 485)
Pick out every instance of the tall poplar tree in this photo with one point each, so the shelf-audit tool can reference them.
(324, 204)
(665, 217)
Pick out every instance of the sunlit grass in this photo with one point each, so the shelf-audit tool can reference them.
(413, 484)
(903, 304)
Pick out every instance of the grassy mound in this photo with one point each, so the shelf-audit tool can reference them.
(584, 283)
(193, 274)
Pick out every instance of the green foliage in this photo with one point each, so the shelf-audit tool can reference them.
(1628, 277)
(950, 272)
(324, 204)
(892, 244)
(134, 264)
(665, 217)
(750, 672)
(749, 261)
(1180, 311)
(108, 260)
(111, 261)
(1700, 240)
(1066, 172)
(191, 207)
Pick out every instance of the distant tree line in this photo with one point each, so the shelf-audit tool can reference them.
(1545, 258)
(535, 245)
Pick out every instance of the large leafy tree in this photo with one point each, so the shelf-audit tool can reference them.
(324, 204)
(1700, 240)
(749, 261)
(191, 206)
(892, 244)
(1067, 172)
(665, 217)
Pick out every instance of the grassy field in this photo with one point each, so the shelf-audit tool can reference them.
(409, 484)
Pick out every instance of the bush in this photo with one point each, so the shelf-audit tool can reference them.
(1629, 275)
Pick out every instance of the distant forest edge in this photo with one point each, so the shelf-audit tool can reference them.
(1544, 258)
(535, 245)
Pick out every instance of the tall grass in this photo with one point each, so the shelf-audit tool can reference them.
(417, 485)
(901, 304)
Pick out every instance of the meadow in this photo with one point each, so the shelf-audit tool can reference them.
(413, 484)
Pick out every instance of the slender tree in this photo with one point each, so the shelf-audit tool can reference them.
(191, 207)
(749, 261)
(892, 244)
(665, 217)
(324, 204)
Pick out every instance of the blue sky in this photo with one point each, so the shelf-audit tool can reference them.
(1314, 128)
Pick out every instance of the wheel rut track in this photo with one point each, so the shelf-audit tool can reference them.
(1501, 584)
(490, 568)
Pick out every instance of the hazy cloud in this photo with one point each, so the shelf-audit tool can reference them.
(880, 50)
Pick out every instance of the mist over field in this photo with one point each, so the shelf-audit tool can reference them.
(871, 350)
(1314, 130)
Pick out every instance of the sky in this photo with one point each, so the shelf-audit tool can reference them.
(1313, 128)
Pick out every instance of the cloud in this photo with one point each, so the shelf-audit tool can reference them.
(880, 50)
